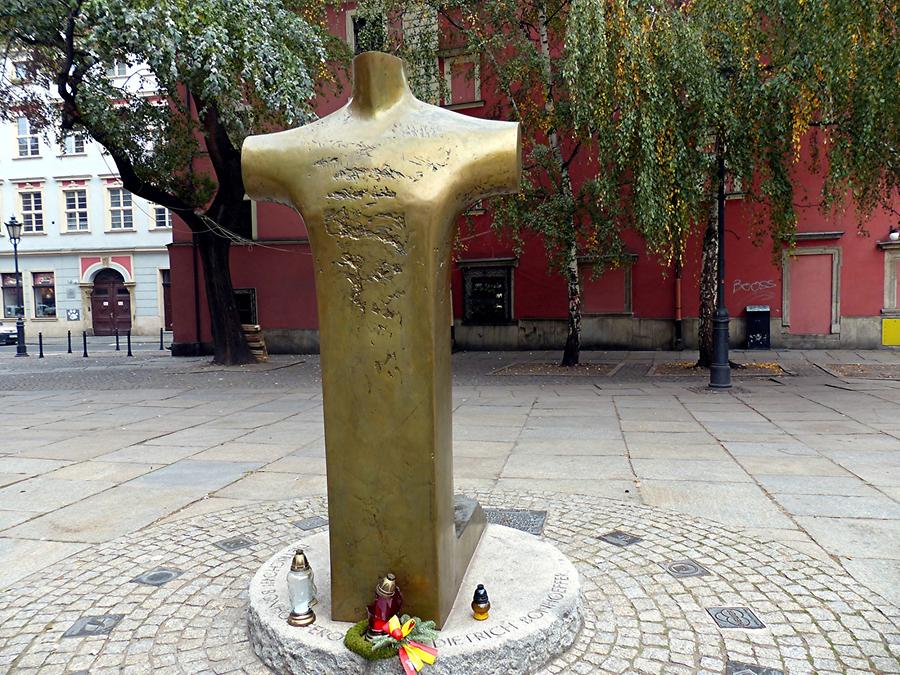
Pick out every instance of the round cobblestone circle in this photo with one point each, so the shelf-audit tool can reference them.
(640, 618)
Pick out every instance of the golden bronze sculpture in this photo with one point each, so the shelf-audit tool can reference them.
(379, 184)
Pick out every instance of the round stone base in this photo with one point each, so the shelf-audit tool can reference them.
(536, 613)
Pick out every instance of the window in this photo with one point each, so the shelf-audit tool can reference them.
(246, 304)
(73, 144)
(32, 211)
(28, 140)
(162, 217)
(121, 216)
(365, 33)
(20, 71)
(44, 296)
(12, 297)
(76, 210)
(118, 69)
(462, 78)
(487, 294)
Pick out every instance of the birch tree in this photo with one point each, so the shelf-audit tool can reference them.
(666, 88)
(518, 45)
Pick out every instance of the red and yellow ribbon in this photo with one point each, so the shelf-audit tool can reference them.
(413, 655)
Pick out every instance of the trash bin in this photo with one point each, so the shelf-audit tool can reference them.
(758, 327)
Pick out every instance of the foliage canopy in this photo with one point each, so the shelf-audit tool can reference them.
(663, 85)
(247, 64)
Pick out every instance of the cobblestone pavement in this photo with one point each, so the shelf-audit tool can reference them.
(100, 448)
(812, 617)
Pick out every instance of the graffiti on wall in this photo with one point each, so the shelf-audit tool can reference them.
(759, 289)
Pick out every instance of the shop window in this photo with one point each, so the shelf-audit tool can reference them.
(13, 305)
(76, 210)
(487, 295)
(32, 211)
(29, 145)
(121, 214)
(246, 304)
(162, 217)
(44, 295)
(462, 79)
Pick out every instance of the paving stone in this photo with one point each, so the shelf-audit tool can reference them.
(106, 515)
(566, 467)
(636, 608)
(876, 506)
(617, 578)
(203, 476)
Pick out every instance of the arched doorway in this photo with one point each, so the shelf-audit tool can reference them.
(110, 303)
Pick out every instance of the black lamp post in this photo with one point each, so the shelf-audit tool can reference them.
(720, 368)
(14, 228)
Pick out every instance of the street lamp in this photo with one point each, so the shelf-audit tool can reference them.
(720, 368)
(14, 228)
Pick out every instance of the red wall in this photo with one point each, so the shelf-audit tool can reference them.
(280, 268)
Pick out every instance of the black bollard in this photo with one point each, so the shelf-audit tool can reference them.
(117, 340)
(70, 340)
(161, 339)
(84, 340)
(129, 344)
(40, 345)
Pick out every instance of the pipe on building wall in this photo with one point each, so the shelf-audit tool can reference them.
(678, 342)
(195, 254)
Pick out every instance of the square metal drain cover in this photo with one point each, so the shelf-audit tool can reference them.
(734, 617)
(531, 522)
(158, 576)
(310, 523)
(619, 538)
(684, 568)
(93, 625)
(234, 543)
(735, 668)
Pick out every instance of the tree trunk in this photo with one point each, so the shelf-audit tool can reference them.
(230, 346)
(708, 286)
(572, 352)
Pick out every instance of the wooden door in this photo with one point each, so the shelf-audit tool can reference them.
(122, 313)
(110, 303)
(811, 294)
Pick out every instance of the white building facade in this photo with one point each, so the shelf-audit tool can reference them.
(92, 256)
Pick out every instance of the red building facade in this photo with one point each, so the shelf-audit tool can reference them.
(838, 287)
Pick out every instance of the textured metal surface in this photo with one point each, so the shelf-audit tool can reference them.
(735, 668)
(235, 543)
(528, 521)
(380, 183)
(310, 523)
(684, 568)
(158, 576)
(734, 617)
(100, 624)
(619, 538)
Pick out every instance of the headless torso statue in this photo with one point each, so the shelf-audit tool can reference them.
(380, 184)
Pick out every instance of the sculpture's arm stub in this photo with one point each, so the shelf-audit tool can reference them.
(266, 166)
(496, 166)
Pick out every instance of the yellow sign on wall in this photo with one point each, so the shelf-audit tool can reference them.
(890, 332)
